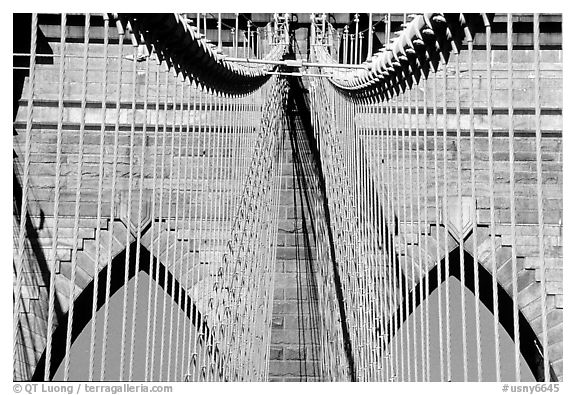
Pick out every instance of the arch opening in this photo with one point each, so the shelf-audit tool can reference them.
(163, 279)
(529, 343)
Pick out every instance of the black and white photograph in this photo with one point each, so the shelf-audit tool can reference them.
(287, 197)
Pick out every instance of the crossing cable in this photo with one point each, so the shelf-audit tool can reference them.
(77, 198)
(99, 204)
(22, 235)
(54, 259)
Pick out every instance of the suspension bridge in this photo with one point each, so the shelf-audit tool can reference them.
(287, 197)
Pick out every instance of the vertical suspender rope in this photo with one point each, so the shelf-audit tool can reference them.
(211, 218)
(54, 250)
(419, 241)
(219, 326)
(374, 208)
(183, 256)
(394, 267)
(154, 260)
(189, 324)
(99, 204)
(403, 263)
(129, 213)
(437, 214)
(165, 254)
(514, 261)
(139, 217)
(241, 179)
(368, 225)
(388, 312)
(391, 297)
(77, 199)
(174, 260)
(370, 283)
(22, 235)
(412, 242)
(428, 226)
(460, 203)
(492, 198)
(234, 155)
(198, 221)
(386, 316)
(474, 217)
(191, 261)
(404, 266)
(183, 300)
(217, 221)
(202, 287)
(360, 237)
(112, 199)
(393, 242)
(540, 197)
(445, 216)
(160, 231)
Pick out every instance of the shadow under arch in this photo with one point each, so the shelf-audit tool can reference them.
(529, 343)
(83, 306)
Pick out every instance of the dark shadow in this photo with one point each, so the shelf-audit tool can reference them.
(299, 96)
(83, 306)
(34, 256)
(21, 45)
(303, 170)
(529, 344)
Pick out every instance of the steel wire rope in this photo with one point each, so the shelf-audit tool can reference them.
(75, 232)
(55, 215)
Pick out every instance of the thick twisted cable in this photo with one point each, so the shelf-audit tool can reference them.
(183, 48)
(409, 56)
